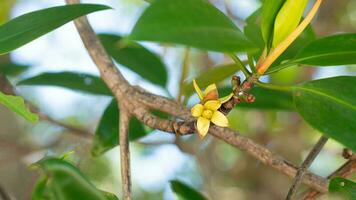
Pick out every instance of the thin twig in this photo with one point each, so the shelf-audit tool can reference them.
(305, 165)
(125, 153)
(346, 170)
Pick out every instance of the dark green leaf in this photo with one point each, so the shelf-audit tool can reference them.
(135, 57)
(107, 133)
(70, 80)
(185, 192)
(270, 9)
(343, 186)
(195, 23)
(64, 182)
(213, 75)
(329, 105)
(327, 51)
(12, 69)
(17, 105)
(253, 31)
(266, 99)
(28, 27)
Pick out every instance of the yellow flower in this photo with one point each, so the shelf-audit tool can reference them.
(207, 110)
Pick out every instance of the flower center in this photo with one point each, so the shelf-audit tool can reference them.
(207, 114)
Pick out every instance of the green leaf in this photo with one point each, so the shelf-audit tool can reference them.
(28, 27)
(343, 186)
(107, 133)
(327, 51)
(266, 99)
(329, 105)
(253, 31)
(194, 23)
(70, 80)
(287, 19)
(270, 9)
(17, 105)
(64, 182)
(213, 75)
(185, 192)
(135, 57)
(12, 69)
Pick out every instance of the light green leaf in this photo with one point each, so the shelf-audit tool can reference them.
(288, 19)
(328, 51)
(213, 75)
(107, 133)
(28, 27)
(329, 105)
(185, 192)
(135, 57)
(343, 186)
(194, 23)
(270, 9)
(70, 80)
(63, 182)
(266, 99)
(17, 105)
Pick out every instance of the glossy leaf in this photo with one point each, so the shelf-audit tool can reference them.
(70, 80)
(107, 133)
(328, 51)
(23, 29)
(63, 181)
(185, 192)
(329, 105)
(343, 186)
(266, 99)
(287, 19)
(12, 69)
(253, 31)
(136, 57)
(194, 23)
(17, 105)
(213, 75)
(270, 10)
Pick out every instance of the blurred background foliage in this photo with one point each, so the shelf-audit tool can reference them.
(211, 166)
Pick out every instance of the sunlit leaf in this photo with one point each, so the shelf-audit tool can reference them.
(23, 29)
(70, 80)
(329, 105)
(135, 57)
(17, 105)
(63, 181)
(194, 23)
(185, 192)
(343, 186)
(270, 10)
(107, 133)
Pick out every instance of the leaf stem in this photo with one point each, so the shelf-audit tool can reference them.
(240, 64)
(184, 73)
(274, 87)
(266, 63)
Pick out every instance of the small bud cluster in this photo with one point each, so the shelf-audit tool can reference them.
(240, 90)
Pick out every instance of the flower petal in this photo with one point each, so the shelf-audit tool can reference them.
(203, 126)
(197, 110)
(210, 88)
(212, 105)
(219, 119)
(226, 98)
(198, 90)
